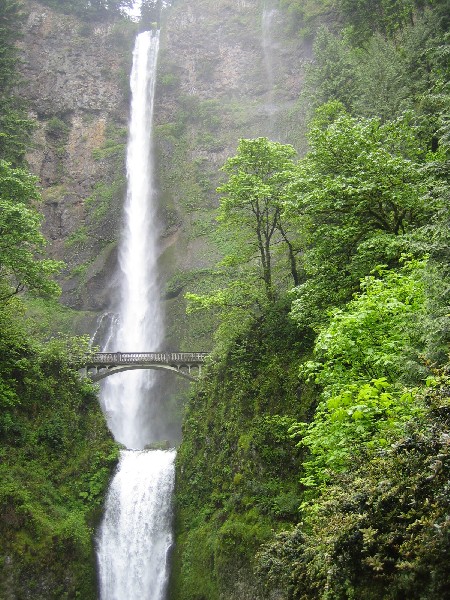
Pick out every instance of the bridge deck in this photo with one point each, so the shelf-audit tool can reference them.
(124, 358)
(102, 364)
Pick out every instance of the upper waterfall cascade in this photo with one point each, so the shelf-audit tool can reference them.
(140, 324)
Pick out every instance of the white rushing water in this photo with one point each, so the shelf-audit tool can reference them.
(135, 536)
(140, 317)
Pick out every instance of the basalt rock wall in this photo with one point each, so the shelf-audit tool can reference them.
(75, 80)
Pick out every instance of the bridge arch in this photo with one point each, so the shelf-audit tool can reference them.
(104, 364)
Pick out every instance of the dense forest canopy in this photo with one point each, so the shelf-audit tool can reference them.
(88, 9)
(150, 10)
(360, 289)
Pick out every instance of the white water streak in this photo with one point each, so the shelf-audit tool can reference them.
(266, 27)
(135, 537)
(141, 324)
(267, 43)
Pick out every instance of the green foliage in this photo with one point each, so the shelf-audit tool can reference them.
(380, 531)
(370, 471)
(56, 454)
(371, 336)
(57, 129)
(333, 74)
(360, 357)
(437, 275)
(361, 417)
(169, 80)
(385, 16)
(358, 194)
(113, 146)
(104, 195)
(15, 127)
(385, 77)
(90, 9)
(234, 306)
(257, 236)
(78, 238)
(21, 264)
(304, 14)
(56, 460)
(237, 465)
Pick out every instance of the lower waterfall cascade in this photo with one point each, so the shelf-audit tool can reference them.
(136, 536)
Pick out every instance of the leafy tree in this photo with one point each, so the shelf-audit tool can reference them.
(258, 240)
(373, 188)
(22, 266)
(381, 529)
(251, 201)
(333, 73)
(362, 18)
(366, 17)
(373, 336)
(21, 242)
(434, 239)
(385, 16)
(304, 14)
(52, 482)
(233, 305)
(386, 76)
(360, 357)
(359, 194)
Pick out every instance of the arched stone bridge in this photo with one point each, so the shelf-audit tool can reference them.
(103, 364)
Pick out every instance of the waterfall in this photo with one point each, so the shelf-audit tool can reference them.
(135, 536)
(140, 322)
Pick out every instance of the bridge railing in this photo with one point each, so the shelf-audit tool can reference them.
(149, 357)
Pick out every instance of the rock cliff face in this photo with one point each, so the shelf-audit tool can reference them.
(75, 78)
(226, 71)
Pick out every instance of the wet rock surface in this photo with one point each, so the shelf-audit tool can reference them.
(74, 78)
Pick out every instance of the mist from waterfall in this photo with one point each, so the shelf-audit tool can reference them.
(135, 536)
(267, 44)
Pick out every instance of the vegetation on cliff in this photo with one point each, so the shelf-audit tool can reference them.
(314, 462)
(56, 454)
(56, 460)
(238, 467)
(88, 9)
(15, 127)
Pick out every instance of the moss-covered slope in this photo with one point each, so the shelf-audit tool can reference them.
(56, 459)
(237, 477)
